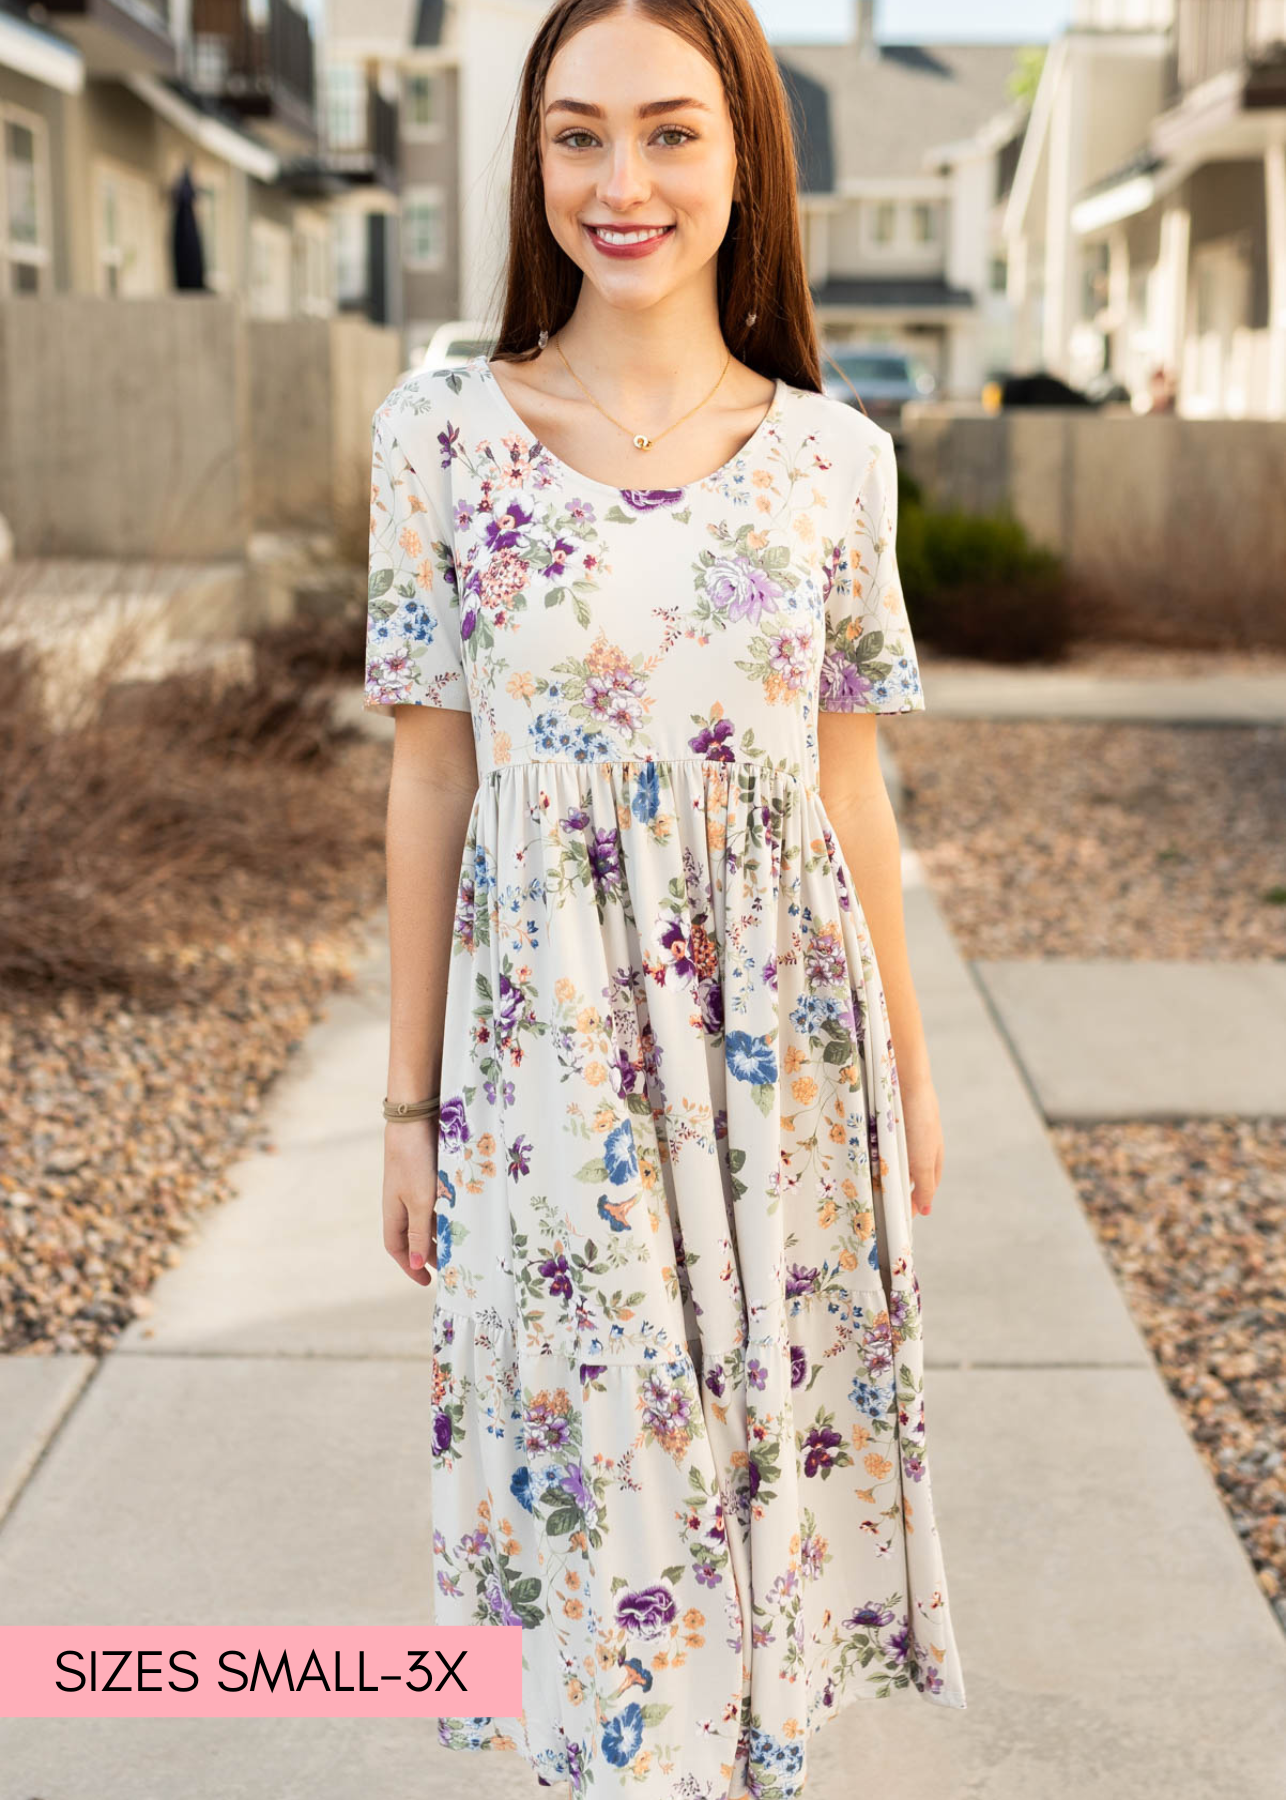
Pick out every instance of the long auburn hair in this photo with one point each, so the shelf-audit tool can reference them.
(760, 267)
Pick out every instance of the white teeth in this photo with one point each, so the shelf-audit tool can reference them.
(628, 237)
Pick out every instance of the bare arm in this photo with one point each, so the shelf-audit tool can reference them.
(861, 813)
(432, 786)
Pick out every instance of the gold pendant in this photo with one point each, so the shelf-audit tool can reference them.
(642, 443)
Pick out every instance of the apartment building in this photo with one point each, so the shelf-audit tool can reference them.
(907, 152)
(105, 105)
(1147, 223)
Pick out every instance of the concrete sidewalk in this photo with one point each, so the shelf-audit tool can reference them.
(257, 1451)
(994, 691)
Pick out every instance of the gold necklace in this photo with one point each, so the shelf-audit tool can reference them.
(640, 439)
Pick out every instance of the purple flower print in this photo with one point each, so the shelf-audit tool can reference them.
(912, 1464)
(899, 1643)
(710, 1002)
(555, 1271)
(453, 1125)
(546, 1427)
(502, 530)
(869, 1618)
(756, 1374)
(605, 861)
(706, 1574)
(821, 1444)
(843, 687)
(447, 441)
(441, 1433)
(502, 1613)
(754, 1476)
(463, 514)
(648, 499)
(739, 589)
(798, 1365)
(712, 742)
(647, 1611)
(800, 1281)
(581, 511)
(715, 1381)
(519, 1158)
(509, 1010)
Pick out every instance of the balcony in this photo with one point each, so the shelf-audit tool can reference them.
(118, 37)
(360, 140)
(256, 58)
(1214, 40)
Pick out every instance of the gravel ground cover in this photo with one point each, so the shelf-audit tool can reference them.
(1193, 1218)
(1060, 839)
(223, 902)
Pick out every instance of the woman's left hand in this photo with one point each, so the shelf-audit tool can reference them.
(925, 1149)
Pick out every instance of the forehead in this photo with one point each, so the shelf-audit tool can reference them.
(625, 60)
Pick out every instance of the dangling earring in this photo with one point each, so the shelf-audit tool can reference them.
(543, 339)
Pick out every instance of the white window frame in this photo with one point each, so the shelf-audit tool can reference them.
(345, 71)
(876, 211)
(431, 195)
(930, 211)
(110, 169)
(271, 275)
(419, 131)
(37, 256)
(313, 279)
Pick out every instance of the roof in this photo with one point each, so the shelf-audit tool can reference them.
(890, 290)
(811, 116)
(893, 104)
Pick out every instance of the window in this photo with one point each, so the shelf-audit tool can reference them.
(924, 222)
(211, 212)
(24, 213)
(345, 106)
(884, 222)
(126, 228)
(422, 113)
(423, 229)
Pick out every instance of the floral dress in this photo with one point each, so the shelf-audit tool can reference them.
(678, 1420)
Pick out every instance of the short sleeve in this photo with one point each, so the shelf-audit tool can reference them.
(870, 663)
(413, 653)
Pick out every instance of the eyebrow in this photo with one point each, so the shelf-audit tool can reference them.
(649, 110)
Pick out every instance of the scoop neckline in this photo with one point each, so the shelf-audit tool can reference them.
(760, 430)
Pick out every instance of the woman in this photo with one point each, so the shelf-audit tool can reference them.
(640, 863)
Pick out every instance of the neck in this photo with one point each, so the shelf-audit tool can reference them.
(658, 355)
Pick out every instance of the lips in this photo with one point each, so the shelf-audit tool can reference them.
(628, 240)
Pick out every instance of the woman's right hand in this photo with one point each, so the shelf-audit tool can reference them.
(410, 1187)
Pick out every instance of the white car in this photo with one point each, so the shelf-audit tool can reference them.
(452, 345)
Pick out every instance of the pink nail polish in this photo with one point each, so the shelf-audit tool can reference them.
(417, 1261)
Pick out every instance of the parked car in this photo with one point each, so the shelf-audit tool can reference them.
(452, 345)
(884, 378)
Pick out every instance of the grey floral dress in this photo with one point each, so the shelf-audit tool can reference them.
(678, 1417)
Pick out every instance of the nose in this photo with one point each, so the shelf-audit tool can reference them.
(625, 182)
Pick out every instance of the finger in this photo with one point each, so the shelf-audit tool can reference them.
(419, 1237)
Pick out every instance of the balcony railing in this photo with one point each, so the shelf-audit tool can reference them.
(256, 56)
(1211, 38)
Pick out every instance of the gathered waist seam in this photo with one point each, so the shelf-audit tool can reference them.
(635, 763)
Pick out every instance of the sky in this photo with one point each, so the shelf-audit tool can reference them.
(912, 21)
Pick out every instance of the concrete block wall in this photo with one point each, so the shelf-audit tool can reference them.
(173, 428)
(1174, 526)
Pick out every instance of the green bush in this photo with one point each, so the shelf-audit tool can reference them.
(976, 586)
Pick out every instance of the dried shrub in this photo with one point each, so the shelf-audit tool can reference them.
(136, 835)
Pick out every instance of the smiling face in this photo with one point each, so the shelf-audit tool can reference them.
(638, 159)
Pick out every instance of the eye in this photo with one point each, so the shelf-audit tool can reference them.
(677, 134)
(577, 131)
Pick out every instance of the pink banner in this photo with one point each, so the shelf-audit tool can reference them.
(256, 1672)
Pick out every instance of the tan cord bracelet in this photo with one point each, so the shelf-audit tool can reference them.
(412, 1109)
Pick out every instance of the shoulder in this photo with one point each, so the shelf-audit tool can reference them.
(427, 402)
(850, 441)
